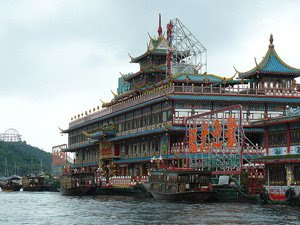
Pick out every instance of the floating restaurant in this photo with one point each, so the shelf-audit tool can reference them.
(282, 158)
(158, 114)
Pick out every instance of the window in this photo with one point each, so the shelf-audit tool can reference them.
(295, 136)
(277, 139)
(164, 116)
(169, 116)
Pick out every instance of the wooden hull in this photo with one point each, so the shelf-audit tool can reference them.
(78, 191)
(126, 191)
(35, 188)
(194, 196)
(11, 188)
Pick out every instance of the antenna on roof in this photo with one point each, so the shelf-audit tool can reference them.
(159, 27)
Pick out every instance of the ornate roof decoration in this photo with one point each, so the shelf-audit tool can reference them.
(147, 69)
(271, 64)
(156, 46)
(204, 78)
(109, 130)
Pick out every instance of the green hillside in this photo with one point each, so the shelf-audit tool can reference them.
(22, 158)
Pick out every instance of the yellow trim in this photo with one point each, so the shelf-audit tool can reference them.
(280, 60)
(159, 39)
(205, 75)
(114, 93)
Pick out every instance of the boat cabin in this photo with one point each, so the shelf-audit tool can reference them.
(77, 180)
(179, 181)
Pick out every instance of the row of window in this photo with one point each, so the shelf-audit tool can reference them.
(139, 148)
(280, 138)
(148, 120)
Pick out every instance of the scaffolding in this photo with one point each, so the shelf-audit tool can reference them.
(214, 140)
(185, 54)
(60, 159)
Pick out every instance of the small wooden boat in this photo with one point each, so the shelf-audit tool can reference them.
(77, 184)
(13, 183)
(180, 185)
(34, 183)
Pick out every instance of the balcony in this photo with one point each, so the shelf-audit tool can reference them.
(249, 150)
(246, 120)
(237, 90)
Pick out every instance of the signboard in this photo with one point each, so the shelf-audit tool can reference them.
(106, 149)
(213, 136)
(214, 140)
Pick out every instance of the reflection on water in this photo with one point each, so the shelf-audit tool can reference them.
(52, 208)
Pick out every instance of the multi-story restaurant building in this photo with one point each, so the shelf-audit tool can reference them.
(146, 117)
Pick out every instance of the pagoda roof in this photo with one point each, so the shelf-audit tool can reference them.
(155, 47)
(149, 69)
(204, 78)
(271, 64)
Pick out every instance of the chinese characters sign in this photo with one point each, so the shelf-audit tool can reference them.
(214, 137)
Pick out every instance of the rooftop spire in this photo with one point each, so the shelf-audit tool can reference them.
(271, 41)
(159, 27)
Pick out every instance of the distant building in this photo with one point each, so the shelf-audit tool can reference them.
(10, 135)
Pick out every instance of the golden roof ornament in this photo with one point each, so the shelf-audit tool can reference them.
(271, 41)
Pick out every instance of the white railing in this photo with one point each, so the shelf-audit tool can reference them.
(197, 90)
(121, 181)
(81, 143)
(236, 90)
(133, 131)
(247, 117)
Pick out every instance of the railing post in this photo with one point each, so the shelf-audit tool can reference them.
(202, 88)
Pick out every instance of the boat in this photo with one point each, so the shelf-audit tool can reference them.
(77, 184)
(33, 183)
(181, 185)
(13, 183)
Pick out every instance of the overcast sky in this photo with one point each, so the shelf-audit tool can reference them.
(59, 58)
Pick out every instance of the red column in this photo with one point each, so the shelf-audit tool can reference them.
(267, 140)
(288, 133)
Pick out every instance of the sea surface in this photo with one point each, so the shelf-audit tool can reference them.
(52, 208)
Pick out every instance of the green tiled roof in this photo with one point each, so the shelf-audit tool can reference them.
(202, 78)
(271, 64)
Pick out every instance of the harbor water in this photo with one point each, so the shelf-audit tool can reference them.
(52, 208)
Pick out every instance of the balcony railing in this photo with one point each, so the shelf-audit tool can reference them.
(197, 90)
(249, 150)
(247, 117)
(236, 90)
(85, 142)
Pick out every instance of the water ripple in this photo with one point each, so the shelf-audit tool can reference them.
(52, 208)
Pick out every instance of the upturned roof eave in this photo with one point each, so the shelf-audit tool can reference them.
(261, 67)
